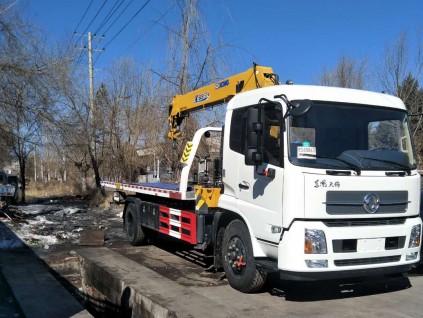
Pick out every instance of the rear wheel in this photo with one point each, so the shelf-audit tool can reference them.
(238, 259)
(133, 228)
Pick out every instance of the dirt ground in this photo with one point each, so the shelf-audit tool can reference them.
(56, 228)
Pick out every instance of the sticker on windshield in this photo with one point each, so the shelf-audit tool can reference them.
(306, 152)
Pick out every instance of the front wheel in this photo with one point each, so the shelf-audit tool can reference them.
(238, 259)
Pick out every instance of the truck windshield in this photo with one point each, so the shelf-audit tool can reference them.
(348, 136)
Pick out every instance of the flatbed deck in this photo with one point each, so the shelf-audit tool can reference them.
(165, 190)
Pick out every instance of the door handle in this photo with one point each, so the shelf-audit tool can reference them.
(243, 186)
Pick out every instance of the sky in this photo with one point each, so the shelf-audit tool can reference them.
(296, 38)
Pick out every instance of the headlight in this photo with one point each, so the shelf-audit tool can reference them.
(314, 242)
(416, 231)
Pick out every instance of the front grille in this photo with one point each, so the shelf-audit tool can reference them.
(367, 261)
(334, 209)
(352, 202)
(363, 222)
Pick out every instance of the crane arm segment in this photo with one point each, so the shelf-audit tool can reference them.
(218, 93)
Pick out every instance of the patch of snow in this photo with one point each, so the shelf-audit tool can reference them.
(42, 239)
(71, 211)
(39, 209)
(67, 211)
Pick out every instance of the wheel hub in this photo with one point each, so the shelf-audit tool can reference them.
(237, 256)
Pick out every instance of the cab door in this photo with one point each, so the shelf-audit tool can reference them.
(259, 192)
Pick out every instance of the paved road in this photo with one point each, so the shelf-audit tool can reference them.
(376, 297)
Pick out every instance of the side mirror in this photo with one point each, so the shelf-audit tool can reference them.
(300, 107)
(253, 152)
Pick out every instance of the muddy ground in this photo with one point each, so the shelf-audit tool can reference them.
(56, 228)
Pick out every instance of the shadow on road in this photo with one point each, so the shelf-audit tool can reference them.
(336, 289)
(291, 290)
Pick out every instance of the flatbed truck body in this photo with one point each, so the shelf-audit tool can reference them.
(332, 192)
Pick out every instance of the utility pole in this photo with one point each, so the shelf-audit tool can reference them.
(91, 83)
(92, 131)
(90, 49)
(91, 77)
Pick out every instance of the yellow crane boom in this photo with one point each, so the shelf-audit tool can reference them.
(218, 93)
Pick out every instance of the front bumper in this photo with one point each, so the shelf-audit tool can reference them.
(314, 276)
(371, 255)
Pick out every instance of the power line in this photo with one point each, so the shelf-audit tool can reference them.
(96, 59)
(99, 10)
(83, 16)
(151, 26)
(120, 31)
(109, 15)
(130, 20)
(120, 14)
(113, 23)
(144, 33)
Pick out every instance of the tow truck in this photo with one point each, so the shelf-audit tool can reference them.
(310, 182)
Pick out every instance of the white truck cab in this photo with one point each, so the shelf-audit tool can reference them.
(331, 192)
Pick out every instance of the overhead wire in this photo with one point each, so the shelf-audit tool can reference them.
(151, 26)
(76, 29)
(83, 16)
(78, 59)
(120, 14)
(109, 15)
(99, 10)
(112, 24)
(127, 23)
(124, 26)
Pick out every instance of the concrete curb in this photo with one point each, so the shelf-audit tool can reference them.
(38, 293)
(139, 291)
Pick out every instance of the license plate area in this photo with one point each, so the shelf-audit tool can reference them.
(370, 245)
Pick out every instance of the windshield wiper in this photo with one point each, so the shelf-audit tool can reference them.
(400, 165)
(349, 164)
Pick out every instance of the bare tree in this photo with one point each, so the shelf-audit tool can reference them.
(399, 75)
(193, 61)
(24, 87)
(398, 63)
(349, 73)
(133, 120)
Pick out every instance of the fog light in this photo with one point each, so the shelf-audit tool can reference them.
(416, 231)
(315, 242)
(411, 256)
(316, 263)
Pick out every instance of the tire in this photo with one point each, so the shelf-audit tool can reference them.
(133, 228)
(238, 259)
